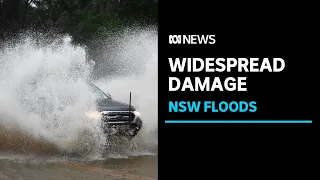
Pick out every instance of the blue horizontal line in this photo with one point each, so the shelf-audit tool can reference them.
(236, 121)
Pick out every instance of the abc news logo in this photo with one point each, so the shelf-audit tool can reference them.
(192, 39)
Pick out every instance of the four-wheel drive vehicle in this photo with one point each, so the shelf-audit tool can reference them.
(117, 118)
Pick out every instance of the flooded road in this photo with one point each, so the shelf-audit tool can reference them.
(140, 167)
(44, 100)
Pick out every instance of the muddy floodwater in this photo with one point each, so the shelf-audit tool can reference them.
(140, 167)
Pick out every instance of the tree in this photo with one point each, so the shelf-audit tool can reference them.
(83, 19)
(27, 3)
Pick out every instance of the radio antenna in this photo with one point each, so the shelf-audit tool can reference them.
(130, 103)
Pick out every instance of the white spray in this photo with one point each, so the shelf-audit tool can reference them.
(43, 95)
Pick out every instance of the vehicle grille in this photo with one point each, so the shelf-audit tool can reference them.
(119, 116)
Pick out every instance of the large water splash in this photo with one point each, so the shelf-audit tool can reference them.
(43, 95)
(137, 52)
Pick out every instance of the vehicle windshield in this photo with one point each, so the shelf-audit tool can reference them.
(97, 93)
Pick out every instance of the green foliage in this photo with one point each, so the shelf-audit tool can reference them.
(83, 19)
(95, 23)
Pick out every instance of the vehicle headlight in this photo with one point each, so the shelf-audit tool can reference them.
(94, 115)
(136, 113)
